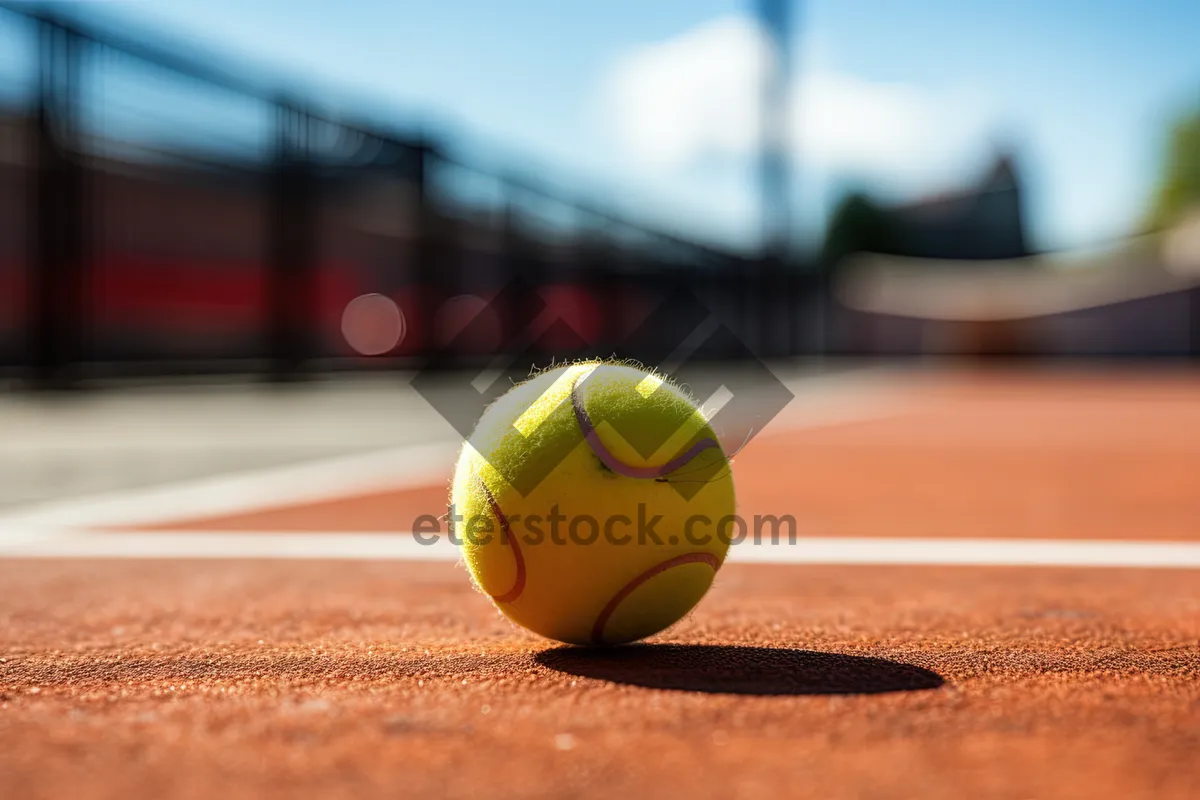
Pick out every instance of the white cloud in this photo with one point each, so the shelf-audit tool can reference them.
(672, 103)
(676, 100)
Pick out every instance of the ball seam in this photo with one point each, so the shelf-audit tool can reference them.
(592, 436)
(506, 533)
(628, 589)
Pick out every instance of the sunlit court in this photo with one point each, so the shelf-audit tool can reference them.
(697, 399)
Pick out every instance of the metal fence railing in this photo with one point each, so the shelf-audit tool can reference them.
(171, 215)
(163, 213)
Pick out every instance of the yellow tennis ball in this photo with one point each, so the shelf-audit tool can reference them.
(592, 503)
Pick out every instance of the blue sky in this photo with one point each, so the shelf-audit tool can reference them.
(903, 98)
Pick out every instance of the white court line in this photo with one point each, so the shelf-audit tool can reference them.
(403, 547)
(820, 401)
(239, 492)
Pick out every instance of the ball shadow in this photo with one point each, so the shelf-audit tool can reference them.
(732, 669)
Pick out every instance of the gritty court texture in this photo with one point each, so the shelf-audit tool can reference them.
(996, 593)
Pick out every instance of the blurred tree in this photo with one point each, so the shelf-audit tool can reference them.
(856, 225)
(1179, 184)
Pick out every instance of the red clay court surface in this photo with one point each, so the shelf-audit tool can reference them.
(351, 678)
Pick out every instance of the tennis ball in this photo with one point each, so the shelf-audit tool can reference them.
(588, 503)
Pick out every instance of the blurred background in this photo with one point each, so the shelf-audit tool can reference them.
(286, 189)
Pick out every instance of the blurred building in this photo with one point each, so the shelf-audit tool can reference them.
(975, 223)
(980, 222)
(953, 274)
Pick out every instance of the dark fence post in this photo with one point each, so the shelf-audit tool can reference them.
(292, 261)
(525, 264)
(598, 277)
(776, 307)
(431, 251)
(808, 305)
(58, 222)
(1194, 323)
